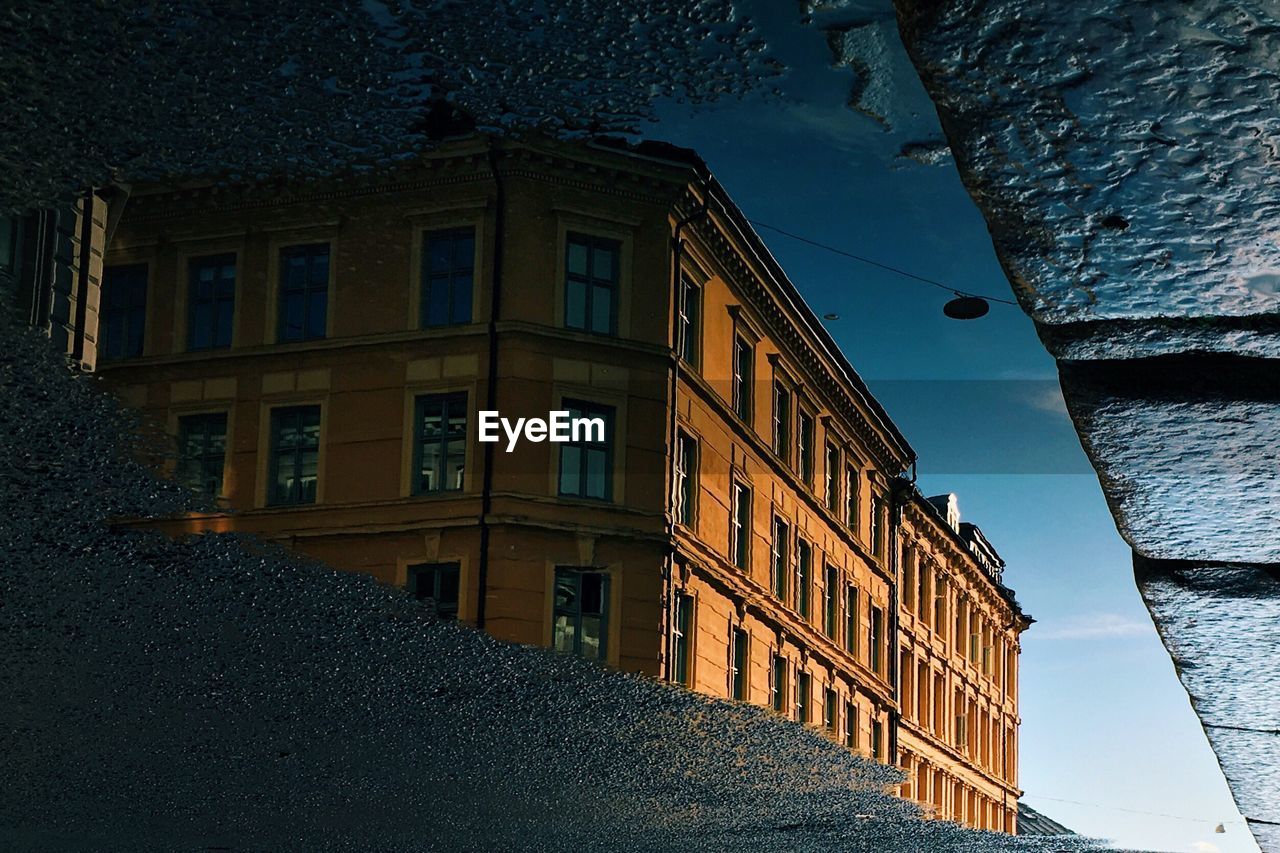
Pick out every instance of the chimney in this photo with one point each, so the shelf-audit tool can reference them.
(949, 507)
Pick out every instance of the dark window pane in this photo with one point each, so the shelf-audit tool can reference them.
(438, 584)
(591, 283)
(295, 452)
(440, 442)
(211, 302)
(202, 441)
(304, 286)
(448, 273)
(122, 317)
(586, 465)
(580, 624)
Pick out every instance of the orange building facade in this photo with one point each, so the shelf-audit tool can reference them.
(739, 524)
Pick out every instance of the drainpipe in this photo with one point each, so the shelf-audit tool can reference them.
(899, 494)
(668, 566)
(491, 390)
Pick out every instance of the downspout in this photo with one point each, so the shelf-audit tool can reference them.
(491, 390)
(668, 567)
(899, 493)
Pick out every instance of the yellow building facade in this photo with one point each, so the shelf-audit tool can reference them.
(739, 524)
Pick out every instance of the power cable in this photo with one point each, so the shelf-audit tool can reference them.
(877, 264)
(1131, 811)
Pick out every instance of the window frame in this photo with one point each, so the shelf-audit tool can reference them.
(833, 472)
(780, 559)
(446, 399)
(688, 343)
(806, 436)
(305, 249)
(590, 283)
(852, 496)
(804, 577)
(783, 412)
(414, 571)
(739, 666)
(779, 678)
(686, 481)
(606, 605)
(682, 638)
(804, 696)
(205, 456)
(740, 514)
(742, 371)
(589, 409)
(830, 601)
(427, 278)
(273, 454)
(223, 259)
(131, 312)
(852, 620)
(876, 639)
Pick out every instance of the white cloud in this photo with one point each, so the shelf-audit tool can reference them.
(1094, 626)
(1047, 397)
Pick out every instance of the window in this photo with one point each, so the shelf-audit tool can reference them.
(780, 558)
(440, 442)
(877, 739)
(940, 605)
(804, 447)
(909, 579)
(851, 487)
(850, 724)
(202, 446)
(689, 321)
(304, 292)
(591, 284)
(580, 623)
(682, 641)
(437, 584)
(739, 647)
(832, 490)
(830, 600)
(448, 272)
(211, 302)
(877, 526)
(586, 462)
(743, 376)
(924, 596)
(804, 687)
(778, 684)
(295, 455)
(686, 479)
(830, 710)
(123, 314)
(877, 640)
(852, 624)
(781, 421)
(804, 576)
(740, 527)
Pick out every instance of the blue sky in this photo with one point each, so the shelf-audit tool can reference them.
(1110, 744)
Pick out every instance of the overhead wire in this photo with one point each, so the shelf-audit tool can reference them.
(887, 267)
